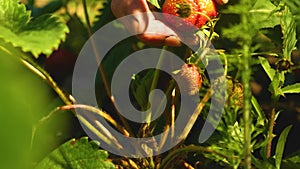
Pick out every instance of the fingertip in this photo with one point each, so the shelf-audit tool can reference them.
(159, 40)
(222, 2)
(172, 41)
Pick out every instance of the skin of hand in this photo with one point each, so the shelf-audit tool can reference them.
(153, 31)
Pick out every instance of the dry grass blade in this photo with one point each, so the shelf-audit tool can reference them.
(97, 112)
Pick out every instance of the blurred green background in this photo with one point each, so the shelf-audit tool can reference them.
(24, 99)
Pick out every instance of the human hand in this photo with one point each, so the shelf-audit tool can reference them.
(154, 32)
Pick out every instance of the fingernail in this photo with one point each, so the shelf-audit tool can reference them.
(172, 41)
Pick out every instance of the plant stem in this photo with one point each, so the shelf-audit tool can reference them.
(34, 67)
(101, 69)
(247, 107)
(40, 122)
(155, 77)
(270, 133)
(99, 112)
(87, 19)
(195, 115)
(246, 77)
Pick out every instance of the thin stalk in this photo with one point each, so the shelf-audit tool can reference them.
(87, 19)
(225, 63)
(168, 92)
(170, 124)
(101, 69)
(270, 133)
(246, 77)
(35, 68)
(195, 115)
(40, 122)
(96, 131)
(247, 26)
(173, 110)
(190, 123)
(94, 110)
(210, 21)
(247, 107)
(97, 112)
(203, 53)
(156, 76)
(103, 133)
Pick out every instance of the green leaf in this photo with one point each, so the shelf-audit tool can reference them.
(288, 27)
(294, 6)
(155, 3)
(291, 162)
(141, 88)
(262, 164)
(265, 14)
(276, 84)
(266, 66)
(257, 108)
(294, 88)
(93, 8)
(37, 36)
(280, 146)
(77, 154)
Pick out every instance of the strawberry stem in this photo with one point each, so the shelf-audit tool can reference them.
(156, 76)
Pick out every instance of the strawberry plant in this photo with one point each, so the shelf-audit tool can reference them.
(256, 86)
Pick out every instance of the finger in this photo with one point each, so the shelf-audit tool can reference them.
(222, 2)
(159, 40)
(189, 39)
(136, 19)
(173, 41)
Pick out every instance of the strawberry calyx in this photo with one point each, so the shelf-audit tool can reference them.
(184, 9)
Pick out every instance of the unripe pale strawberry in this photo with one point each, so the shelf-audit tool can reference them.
(190, 79)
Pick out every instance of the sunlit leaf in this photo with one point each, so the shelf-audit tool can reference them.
(266, 66)
(294, 6)
(79, 154)
(41, 35)
(155, 3)
(258, 110)
(265, 14)
(141, 88)
(276, 84)
(294, 88)
(288, 27)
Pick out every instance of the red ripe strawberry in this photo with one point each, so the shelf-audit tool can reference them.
(186, 9)
(189, 12)
(190, 78)
(207, 7)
